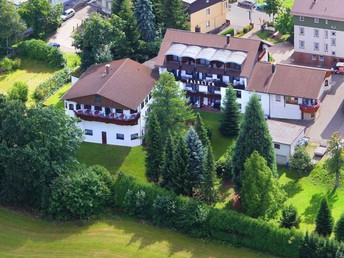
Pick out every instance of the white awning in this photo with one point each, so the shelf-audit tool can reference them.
(176, 50)
(191, 51)
(206, 53)
(221, 55)
(237, 57)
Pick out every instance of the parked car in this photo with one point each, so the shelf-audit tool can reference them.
(247, 3)
(339, 68)
(262, 6)
(69, 13)
(54, 44)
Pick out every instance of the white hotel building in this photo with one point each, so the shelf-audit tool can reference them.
(111, 101)
(318, 32)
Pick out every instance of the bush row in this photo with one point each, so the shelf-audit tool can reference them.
(48, 87)
(229, 31)
(9, 65)
(39, 50)
(197, 219)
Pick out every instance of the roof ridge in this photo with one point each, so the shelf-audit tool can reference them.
(305, 67)
(124, 60)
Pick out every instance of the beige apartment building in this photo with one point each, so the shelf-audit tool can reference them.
(206, 15)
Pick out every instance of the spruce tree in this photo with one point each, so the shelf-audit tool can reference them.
(254, 136)
(260, 194)
(174, 15)
(145, 19)
(230, 124)
(201, 131)
(131, 43)
(208, 193)
(154, 156)
(181, 179)
(168, 167)
(324, 220)
(196, 159)
(339, 229)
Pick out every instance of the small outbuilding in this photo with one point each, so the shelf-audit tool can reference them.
(285, 137)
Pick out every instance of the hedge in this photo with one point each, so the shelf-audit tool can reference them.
(39, 50)
(9, 65)
(200, 220)
(48, 87)
(229, 31)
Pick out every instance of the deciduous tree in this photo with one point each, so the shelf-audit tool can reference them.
(19, 91)
(170, 105)
(300, 161)
(230, 123)
(254, 136)
(285, 22)
(335, 164)
(260, 194)
(272, 7)
(324, 220)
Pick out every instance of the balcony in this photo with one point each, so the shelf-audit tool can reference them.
(214, 95)
(112, 118)
(310, 107)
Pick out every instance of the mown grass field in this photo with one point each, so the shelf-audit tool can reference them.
(55, 98)
(265, 35)
(25, 236)
(286, 3)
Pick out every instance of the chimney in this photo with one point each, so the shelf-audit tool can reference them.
(273, 68)
(228, 36)
(107, 68)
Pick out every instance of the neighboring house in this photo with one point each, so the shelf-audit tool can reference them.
(319, 32)
(285, 137)
(104, 6)
(290, 91)
(111, 100)
(204, 65)
(206, 15)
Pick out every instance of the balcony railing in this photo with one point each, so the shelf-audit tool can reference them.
(215, 95)
(310, 108)
(112, 118)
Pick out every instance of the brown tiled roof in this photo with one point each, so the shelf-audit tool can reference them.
(251, 46)
(285, 133)
(323, 9)
(287, 80)
(128, 83)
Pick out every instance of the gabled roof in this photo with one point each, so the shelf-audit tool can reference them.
(323, 9)
(128, 83)
(249, 46)
(288, 80)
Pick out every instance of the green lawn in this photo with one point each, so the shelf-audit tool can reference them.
(219, 142)
(25, 236)
(31, 72)
(265, 35)
(55, 98)
(286, 3)
(73, 60)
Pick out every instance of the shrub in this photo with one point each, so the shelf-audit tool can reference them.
(223, 167)
(290, 217)
(165, 211)
(229, 31)
(136, 203)
(9, 65)
(300, 161)
(48, 87)
(39, 50)
(19, 91)
(81, 194)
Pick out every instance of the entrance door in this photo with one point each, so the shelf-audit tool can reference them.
(104, 138)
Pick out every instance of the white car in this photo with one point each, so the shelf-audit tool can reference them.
(91, 1)
(69, 13)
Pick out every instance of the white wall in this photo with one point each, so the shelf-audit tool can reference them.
(283, 110)
(245, 98)
(309, 40)
(284, 150)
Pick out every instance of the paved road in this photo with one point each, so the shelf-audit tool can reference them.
(331, 117)
(239, 16)
(64, 34)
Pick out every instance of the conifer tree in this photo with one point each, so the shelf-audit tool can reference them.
(173, 14)
(260, 194)
(154, 156)
(145, 19)
(230, 124)
(201, 131)
(131, 44)
(208, 193)
(181, 179)
(324, 220)
(339, 229)
(116, 6)
(290, 217)
(168, 167)
(196, 159)
(254, 136)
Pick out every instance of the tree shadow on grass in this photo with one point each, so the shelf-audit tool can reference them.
(292, 188)
(314, 205)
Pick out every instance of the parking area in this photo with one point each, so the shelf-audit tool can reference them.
(64, 34)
